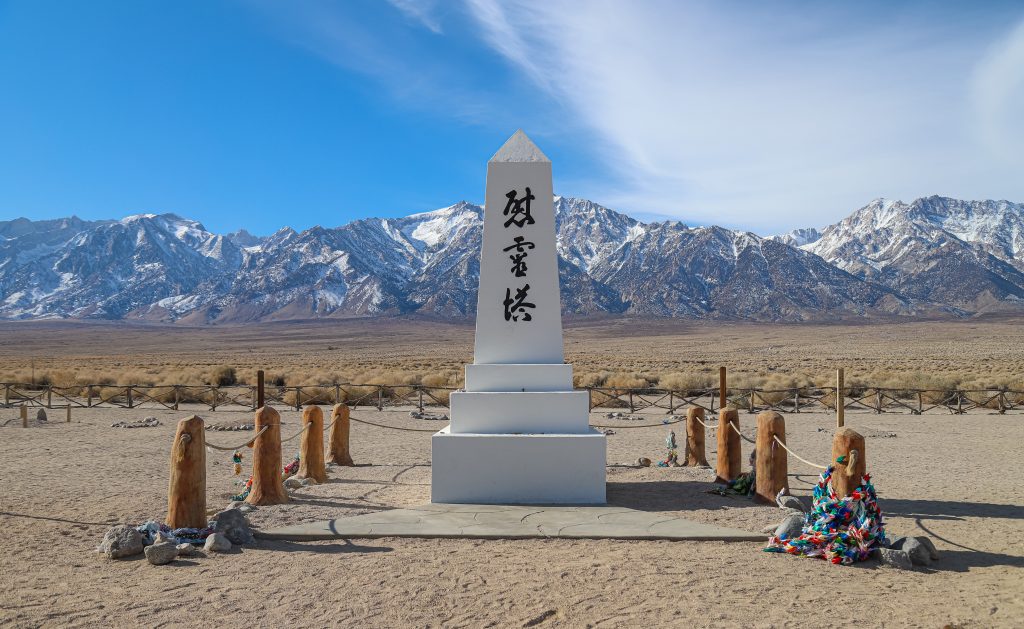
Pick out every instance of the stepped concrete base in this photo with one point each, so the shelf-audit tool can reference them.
(518, 377)
(518, 468)
(511, 522)
(503, 412)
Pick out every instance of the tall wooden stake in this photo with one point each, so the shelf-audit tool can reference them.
(338, 450)
(267, 484)
(186, 492)
(840, 398)
(259, 389)
(730, 456)
(849, 474)
(311, 450)
(24, 416)
(695, 454)
(771, 467)
(69, 413)
(722, 388)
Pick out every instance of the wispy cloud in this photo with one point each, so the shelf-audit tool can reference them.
(772, 116)
(422, 11)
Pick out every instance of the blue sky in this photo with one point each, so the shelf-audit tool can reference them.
(260, 114)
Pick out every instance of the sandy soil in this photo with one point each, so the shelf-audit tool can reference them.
(956, 479)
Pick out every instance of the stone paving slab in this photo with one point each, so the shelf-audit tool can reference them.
(511, 522)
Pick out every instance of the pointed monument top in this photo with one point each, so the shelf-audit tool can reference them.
(519, 148)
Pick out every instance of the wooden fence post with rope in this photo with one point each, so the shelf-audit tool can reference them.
(186, 492)
(24, 416)
(695, 454)
(267, 484)
(729, 451)
(311, 449)
(771, 467)
(850, 461)
(338, 452)
(723, 389)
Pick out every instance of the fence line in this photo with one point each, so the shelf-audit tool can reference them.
(382, 396)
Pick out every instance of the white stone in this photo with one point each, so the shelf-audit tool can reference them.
(519, 433)
(518, 469)
(518, 377)
(539, 340)
(565, 412)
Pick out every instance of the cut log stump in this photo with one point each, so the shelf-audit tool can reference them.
(267, 482)
(848, 475)
(695, 454)
(771, 465)
(186, 492)
(730, 456)
(311, 450)
(338, 452)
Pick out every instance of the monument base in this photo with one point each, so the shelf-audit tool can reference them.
(518, 468)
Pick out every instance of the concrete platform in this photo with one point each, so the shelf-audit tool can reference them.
(511, 522)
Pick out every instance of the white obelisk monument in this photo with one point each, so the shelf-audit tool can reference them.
(518, 432)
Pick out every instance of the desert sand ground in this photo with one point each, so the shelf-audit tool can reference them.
(954, 478)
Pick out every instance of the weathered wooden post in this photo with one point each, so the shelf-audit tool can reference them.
(24, 416)
(729, 453)
(840, 398)
(49, 396)
(771, 467)
(695, 454)
(298, 398)
(259, 388)
(69, 413)
(311, 449)
(338, 451)
(267, 484)
(186, 493)
(723, 390)
(848, 475)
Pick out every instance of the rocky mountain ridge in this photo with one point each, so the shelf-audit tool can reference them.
(934, 256)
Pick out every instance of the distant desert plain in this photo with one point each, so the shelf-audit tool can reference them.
(621, 352)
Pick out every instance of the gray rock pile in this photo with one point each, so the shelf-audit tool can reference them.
(121, 541)
(906, 552)
(149, 422)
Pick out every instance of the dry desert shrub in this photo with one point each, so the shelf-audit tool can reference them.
(622, 380)
(687, 383)
(223, 376)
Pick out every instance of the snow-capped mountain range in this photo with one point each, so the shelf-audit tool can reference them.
(930, 257)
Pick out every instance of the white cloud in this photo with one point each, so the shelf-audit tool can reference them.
(422, 11)
(772, 116)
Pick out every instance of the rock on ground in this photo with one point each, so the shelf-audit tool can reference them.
(791, 527)
(186, 550)
(920, 549)
(41, 415)
(894, 558)
(218, 543)
(293, 483)
(234, 526)
(160, 554)
(791, 502)
(121, 541)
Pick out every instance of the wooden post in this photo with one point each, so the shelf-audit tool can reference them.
(695, 454)
(49, 396)
(177, 396)
(311, 449)
(722, 388)
(380, 398)
(840, 398)
(89, 399)
(7, 396)
(631, 410)
(298, 398)
(849, 474)
(24, 416)
(267, 484)
(729, 452)
(69, 413)
(128, 394)
(259, 388)
(920, 403)
(771, 466)
(186, 492)
(338, 451)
